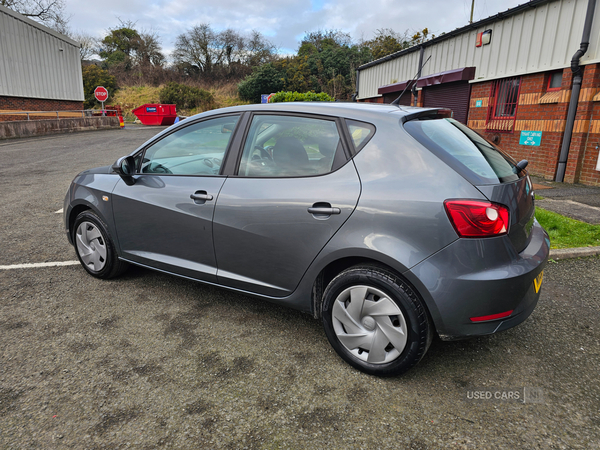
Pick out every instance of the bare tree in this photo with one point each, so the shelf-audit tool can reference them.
(259, 50)
(88, 44)
(198, 47)
(201, 50)
(149, 50)
(48, 12)
(232, 44)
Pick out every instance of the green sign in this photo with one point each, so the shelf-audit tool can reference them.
(531, 138)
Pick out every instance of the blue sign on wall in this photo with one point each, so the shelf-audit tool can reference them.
(531, 138)
(478, 103)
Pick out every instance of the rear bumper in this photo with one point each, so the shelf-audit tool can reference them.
(481, 277)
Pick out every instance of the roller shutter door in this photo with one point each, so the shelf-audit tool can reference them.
(454, 96)
(406, 99)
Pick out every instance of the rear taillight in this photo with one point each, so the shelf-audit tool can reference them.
(477, 219)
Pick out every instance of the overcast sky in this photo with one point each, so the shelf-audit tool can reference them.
(284, 22)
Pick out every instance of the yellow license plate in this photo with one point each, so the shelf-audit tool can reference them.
(537, 283)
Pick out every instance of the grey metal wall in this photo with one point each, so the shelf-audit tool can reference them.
(535, 40)
(36, 61)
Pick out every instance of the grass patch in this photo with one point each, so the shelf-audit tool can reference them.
(567, 233)
(130, 97)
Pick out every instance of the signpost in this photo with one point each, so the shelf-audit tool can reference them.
(530, 138)
(101, 95)
(264, 98)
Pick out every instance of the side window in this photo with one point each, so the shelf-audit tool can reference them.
(287, 146)
(360, 132)
(197, 149)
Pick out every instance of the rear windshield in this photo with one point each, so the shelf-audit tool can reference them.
(475, 158)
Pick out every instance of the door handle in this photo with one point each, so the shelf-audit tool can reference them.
(323, 210)
(200, 197)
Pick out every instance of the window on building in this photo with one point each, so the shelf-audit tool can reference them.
(554, 81)
(502, 105)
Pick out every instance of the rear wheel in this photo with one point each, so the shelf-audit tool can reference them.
(375, 321)
(95, 248)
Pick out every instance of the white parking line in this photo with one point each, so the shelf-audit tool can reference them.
(60, 211)
(38, 265)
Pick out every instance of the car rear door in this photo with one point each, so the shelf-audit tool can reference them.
(293, 189)
(164, 220)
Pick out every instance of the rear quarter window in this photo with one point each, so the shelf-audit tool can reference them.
(467, 152)
(360, 132)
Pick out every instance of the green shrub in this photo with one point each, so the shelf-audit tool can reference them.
(301, 97)
(264, 80)
(186, 97)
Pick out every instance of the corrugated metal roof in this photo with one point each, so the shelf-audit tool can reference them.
(466, 28)
(535, 37)
(37, 62)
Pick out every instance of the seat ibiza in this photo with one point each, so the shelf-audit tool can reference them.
(390, 224)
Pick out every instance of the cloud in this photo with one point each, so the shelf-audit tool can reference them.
(284, 21)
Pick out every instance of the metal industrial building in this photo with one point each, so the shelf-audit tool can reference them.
(40, 69)
(510, 77)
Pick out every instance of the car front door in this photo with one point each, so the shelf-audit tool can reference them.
(293, 190)
(164, 220)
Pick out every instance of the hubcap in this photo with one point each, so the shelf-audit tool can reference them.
(369, 324)
(91, 246)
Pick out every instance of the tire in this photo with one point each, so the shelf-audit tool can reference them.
(375, 321)
(95, 248)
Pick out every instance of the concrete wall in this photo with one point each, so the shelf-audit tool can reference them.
(25, 128)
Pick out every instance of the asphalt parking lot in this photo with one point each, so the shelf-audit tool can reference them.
(152, 361)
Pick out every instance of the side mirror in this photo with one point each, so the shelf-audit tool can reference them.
(521, 165)
(227, 128)
(125, 167)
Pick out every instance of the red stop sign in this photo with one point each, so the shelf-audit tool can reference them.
(101, 93)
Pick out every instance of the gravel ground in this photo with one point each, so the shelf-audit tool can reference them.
(152, 361)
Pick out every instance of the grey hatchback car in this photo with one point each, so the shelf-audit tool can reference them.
(388, 223)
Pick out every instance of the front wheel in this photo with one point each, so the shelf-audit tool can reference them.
(375, 321)
(95, 248)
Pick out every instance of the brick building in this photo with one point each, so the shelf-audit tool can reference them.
(40, 69)
(509, 77)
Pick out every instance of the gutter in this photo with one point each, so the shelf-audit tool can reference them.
(577, 79)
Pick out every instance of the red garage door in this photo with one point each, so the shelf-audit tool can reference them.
(454, 96)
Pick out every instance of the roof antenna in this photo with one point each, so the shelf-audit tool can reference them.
(397, 101)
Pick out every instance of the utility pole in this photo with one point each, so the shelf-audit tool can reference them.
(472, 8)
